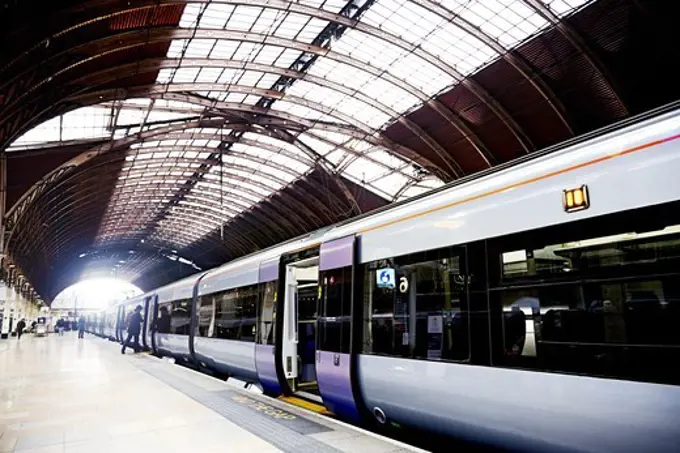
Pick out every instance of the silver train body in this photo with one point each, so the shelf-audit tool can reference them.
(633, 167)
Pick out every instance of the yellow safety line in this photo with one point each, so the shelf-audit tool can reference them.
(319, 409)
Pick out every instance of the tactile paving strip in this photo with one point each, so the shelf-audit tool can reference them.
(283, 433)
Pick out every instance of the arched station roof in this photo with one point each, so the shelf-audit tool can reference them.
(154, 138)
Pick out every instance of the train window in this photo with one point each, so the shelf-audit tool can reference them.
(248, 296)
(205, 312)
(416, 306)
(267, 313)
(227, 315)
(335, 310)
(163, 320)
(605, 305)
(180, 317)
(235, 313)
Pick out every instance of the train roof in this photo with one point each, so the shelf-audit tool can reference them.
(495, 181)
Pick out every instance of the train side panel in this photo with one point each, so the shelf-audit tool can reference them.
(635, 169)
(235, 358)
(529, 411)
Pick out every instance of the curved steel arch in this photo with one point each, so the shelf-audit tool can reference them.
(150, 65)
(303, 47)
(579, 43)
(320, 159)
(239, 187)
(278, 115)
(83, 201)
(265, 118)
(171, 128)
(515, 60)
(375, 32)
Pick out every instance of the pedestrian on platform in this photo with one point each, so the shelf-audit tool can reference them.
(134, 327)
(81, 327)
(21, 325)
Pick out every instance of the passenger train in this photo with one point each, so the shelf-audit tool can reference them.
(535, 307)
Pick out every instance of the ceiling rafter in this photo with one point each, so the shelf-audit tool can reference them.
(155, 35)
(154, 64)
(579, 44)
(379, 95)
(349, 22)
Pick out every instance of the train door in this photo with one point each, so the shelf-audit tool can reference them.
(299, 326)
(146, 325)
(265, 342)
(149, 336)
(120, 324)
(334, 364)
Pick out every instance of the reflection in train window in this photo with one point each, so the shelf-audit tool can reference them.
(180, 317)
(606, 306)
(229, 314)
(416, 306)
(205, 313)
(163, 321)
(335, 309)
(267, 313)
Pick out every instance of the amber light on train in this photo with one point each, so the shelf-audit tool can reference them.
(576, 199)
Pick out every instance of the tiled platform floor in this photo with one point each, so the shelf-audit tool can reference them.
(64, 395)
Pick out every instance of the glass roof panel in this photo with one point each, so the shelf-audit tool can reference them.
(405, 52)
(216, 15)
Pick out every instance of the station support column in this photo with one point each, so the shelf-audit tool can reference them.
(4, 289)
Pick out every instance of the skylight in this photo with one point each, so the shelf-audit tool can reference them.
(339, 96)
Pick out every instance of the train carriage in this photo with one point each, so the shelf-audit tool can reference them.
(534, 308)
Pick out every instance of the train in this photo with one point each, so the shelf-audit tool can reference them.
(534, 307)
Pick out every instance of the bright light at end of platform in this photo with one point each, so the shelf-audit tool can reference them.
(95, 293)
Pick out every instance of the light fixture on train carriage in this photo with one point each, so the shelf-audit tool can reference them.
(576, 199)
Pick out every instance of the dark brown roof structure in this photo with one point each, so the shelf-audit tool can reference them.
(152, 139)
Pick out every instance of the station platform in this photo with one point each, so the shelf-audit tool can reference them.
(59, 394)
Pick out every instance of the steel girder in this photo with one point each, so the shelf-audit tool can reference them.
(160, 34)
(578, 42)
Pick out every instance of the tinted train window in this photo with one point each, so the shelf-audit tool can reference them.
(605, 306)
(163, 320)
(180, 317)
(416, 306)
(234, 315)
(205, 313)
(227, 315)
(248, 297)
(335, 310)
(267, 313)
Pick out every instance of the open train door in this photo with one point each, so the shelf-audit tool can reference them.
(334, 364)
(150, 322)
(265, 357)
(149, 317)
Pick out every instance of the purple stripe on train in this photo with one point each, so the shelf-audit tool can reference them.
(269, 271)
(335, 383)
(337, 253)
(266, 369)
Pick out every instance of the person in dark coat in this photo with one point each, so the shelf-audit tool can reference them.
(134, 327)
(21, 325)
(81, 327)
(164, 321)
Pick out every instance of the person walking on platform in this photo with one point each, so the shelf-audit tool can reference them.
(20, 328)
(134, 327)
(60, 327)
(81, 327)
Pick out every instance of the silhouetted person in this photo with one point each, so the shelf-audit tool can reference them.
(20, 328)
(81, 327)
(134, 327)
(163, 323)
